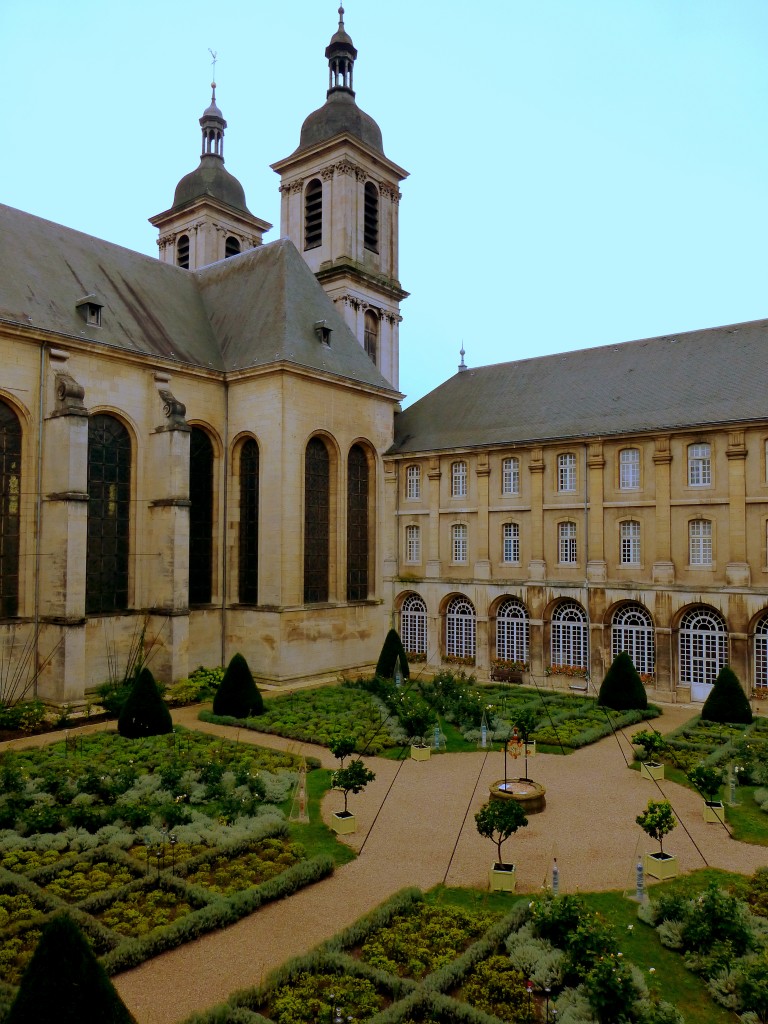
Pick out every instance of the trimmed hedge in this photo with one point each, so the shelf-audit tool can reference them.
(238, 695)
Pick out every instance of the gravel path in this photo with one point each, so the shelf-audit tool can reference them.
(416, 827)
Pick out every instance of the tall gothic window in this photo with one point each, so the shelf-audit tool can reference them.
(512, 631)
(248, 554)
(357, 524)
(460, 626)
(317, 516)
(10, 496)
(371, 335)
(702, 648)
(313, 214)
(371, 218)
(569, 640)
(632, 631)
(109, 506)
(761, 654)
(200, 517)
(413, 624)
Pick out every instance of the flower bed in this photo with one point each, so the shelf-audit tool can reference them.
(227, 874)
(75, 882)
(145, 910)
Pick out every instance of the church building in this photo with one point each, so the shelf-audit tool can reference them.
(206, 452)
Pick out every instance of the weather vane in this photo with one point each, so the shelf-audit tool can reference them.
(215, 56)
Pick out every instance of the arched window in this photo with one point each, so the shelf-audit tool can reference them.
(357, 524)
(109, 506)
(511, 543)
(569, 640)
(460, 628)
(200, 517)
(313, 214)
(699, 465)
(459, 542)
(248, 553)
(700, 542)
(10, 513)
(413, 544)
(566, 543)
(413, 625)
(703, 649)
(371, 218)
(629, 469)
(371, 335)
(566, 472)
(761, 654)
(458, 479)
(512, 631)
(413, 483)
(510, 476)
(629, 538)
(231, 247)
(182, 251)
(317, 516)
(632, 631)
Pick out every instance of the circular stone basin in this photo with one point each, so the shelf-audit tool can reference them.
(530, 795)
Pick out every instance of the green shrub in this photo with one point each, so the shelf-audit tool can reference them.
(145, 712)
(498, 820)
(727, 701)
(622, 689)
(391, 650)
(238, 695)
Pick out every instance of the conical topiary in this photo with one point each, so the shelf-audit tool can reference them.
(622, 687)
(145, 713)
(391, 650)
(238, 695)
(727, 701)
(64, 982)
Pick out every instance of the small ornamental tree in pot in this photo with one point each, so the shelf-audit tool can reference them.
(237, 694)
(391, 650)
(342, 747)
(416, 716)
(498, 820)
(708, 781)
(622, 689)
(657, 821)
(144, 713)
(727, 701)
(525, 721)
(352, 779)
(653, 746)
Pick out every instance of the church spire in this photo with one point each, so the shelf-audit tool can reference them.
(341, 54)
(213, 124)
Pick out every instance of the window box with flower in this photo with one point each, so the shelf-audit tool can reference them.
(571, 671)
(455, 659)
(504, 670)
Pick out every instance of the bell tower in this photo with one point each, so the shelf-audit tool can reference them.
(340, 201)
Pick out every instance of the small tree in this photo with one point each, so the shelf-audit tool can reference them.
(391, 650)
(498, 820)
(145, 713)
(525, 721)
(652, 742)
(342, 747)
(727, 701)
(237, 695)
(657, 821)
(707, 780)
(622, 688)
(64, 982)
(352, 779)
(415, 716)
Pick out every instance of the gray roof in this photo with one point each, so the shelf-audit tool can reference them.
(705, 377)
(250, 310)
(338, 115)
(210, 178)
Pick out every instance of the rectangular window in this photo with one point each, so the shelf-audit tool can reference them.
(566, 472)
(699, 465)
(630, 543)
(512, 543)
(459, 480)
(412, 544)
(629, 469)
(459, 545)
(700, 542)
(566, 548)
(510, 476)
(413, 483)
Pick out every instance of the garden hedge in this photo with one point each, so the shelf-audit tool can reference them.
(727, 701)
(238, 695)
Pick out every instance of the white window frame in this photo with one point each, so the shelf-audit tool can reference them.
(413, 483)
(510, 475)
(702, 647)
(512, 631)
(566, 473)
(632, 631)
(460, 628)
(567, 553)
(510, 539)
(761, 654)
(700, 542)
(569, 636)
(629, 542)
(459, 479)
(459, 543)
(413, 624)
(629, 469)
(412, 544)
(699, 465)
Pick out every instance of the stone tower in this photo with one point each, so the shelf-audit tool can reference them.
(340, 197)
(209, 220)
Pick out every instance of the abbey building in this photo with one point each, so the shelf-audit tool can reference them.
(208, 448)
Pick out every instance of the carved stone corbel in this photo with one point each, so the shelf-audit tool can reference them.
(69, 396)
(174, 410)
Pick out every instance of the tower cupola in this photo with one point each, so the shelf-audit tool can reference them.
(341, 54)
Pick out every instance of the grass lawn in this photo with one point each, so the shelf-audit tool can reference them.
(316, 837)
(748, 823)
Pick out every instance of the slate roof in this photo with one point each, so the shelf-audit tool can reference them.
(250, 310)
(706, 377)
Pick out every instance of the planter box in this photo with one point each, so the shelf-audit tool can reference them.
(714, 811)
(420, 753)
(651, 770)
(344, 824)
(506, 675)
(501, 878)
(660, 865)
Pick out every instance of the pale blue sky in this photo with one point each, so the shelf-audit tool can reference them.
(582, 171)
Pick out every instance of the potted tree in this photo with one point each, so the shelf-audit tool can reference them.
(657, 821)
(526, 721)
(498, 820)
(352, 779)
(708, 781)
(416, 716)
(653, 744)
